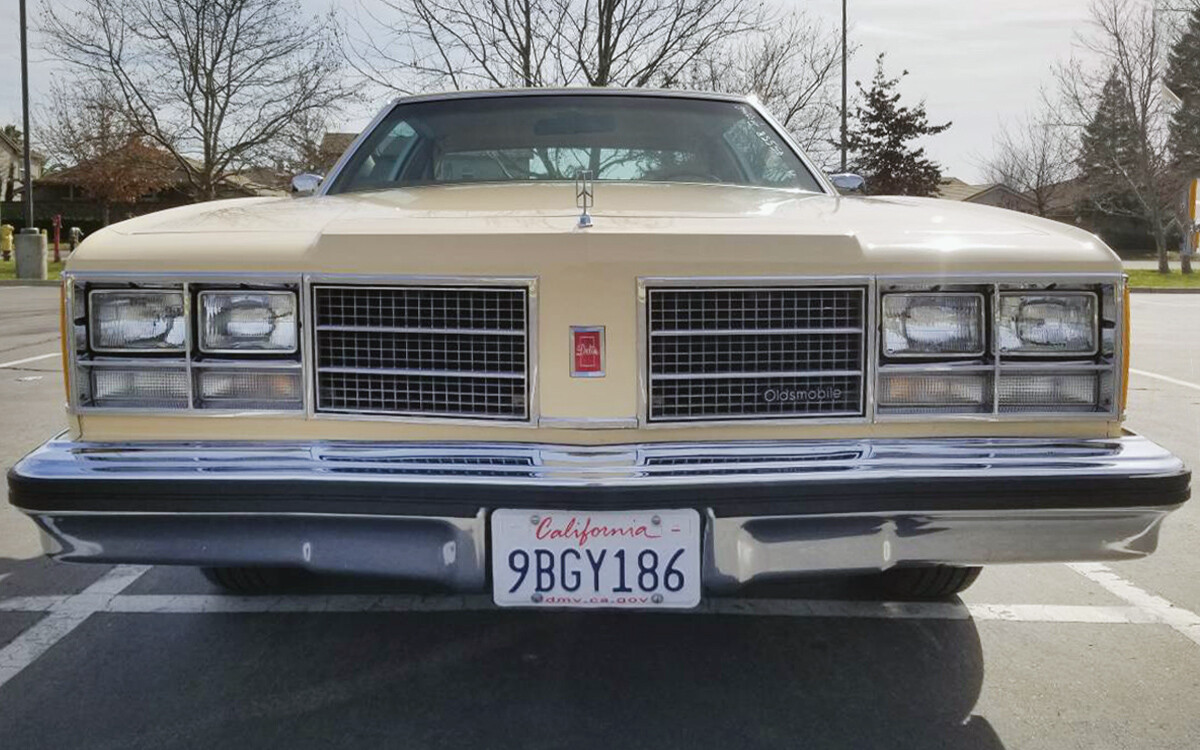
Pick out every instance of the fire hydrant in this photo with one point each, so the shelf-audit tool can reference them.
(6, 241)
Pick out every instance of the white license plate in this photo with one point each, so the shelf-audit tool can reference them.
(621, 559)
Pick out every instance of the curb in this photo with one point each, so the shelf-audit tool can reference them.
(1162, 290)
(29, 282)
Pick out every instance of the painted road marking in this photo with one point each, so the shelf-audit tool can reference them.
(27, 360)
(1165, 379)
(350, 603)
(65, 615)
(1183, 620)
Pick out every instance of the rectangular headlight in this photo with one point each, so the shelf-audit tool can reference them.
(1047, 324)
(248, 321)
(933, 324)
(137, 321)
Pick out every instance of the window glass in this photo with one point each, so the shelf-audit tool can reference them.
(531, 138)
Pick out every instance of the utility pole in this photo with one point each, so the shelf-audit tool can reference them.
(30, 246)
(844, 84)
(27, 182)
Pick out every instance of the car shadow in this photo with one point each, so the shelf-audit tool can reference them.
(507, 679)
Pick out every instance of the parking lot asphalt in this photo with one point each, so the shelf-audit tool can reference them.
(1054, 656)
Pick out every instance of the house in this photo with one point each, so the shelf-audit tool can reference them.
(1066, 202)
(138, 178)
(991, 194)
(333, 145)
(12, 159)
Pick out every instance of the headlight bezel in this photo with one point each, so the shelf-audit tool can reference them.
(82, 360)
(1064, 372)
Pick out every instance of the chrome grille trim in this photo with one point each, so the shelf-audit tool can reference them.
(423, 350)
(712, 351)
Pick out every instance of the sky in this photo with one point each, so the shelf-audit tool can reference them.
(975, 62)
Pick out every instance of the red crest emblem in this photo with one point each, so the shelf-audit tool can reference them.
(587, 351)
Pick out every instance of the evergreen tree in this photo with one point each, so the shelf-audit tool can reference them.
(1109, 149)
(1183, 79)
(881, 140)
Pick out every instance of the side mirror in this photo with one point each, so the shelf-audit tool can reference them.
(847, 183)
(306, 184)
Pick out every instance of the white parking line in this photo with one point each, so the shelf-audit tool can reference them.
(27, 360)
(1165, 379)
(66, 614)
(1183, 620)
(350, 603)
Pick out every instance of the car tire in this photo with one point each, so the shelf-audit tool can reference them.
(251, 580)
(927, 582)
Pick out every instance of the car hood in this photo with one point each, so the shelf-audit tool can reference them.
(672, 227)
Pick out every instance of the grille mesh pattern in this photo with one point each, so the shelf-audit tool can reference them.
(440, 351)
(756, 353)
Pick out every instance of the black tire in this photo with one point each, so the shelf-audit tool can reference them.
(251, 580)
(927, 582)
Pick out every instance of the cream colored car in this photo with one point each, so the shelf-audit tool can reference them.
(594, 348)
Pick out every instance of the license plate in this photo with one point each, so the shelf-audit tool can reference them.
(620, 559)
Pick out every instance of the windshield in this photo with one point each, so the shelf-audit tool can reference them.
(616, 138)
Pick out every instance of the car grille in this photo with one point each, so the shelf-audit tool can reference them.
(777, 352)
(422, 351)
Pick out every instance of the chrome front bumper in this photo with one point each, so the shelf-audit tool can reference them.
(773, 509)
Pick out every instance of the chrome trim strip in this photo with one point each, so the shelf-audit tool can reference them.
(780, 374)
(70, 335)
(759, 331)
(467, 374)
(628, 465)
(588, 423)
(386, 329)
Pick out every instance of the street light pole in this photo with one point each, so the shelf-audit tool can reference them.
(844, 86)
(27, 182)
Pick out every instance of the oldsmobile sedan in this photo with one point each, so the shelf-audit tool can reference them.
(594, 348)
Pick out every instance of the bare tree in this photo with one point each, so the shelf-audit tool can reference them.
(648, 42)
(409, 46)
(791, 67)
(1126, 177)
(87, 134)
(216, 83)
(1035, 156)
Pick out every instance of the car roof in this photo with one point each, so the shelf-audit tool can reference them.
(573, 91)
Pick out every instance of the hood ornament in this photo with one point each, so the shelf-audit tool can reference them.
(584, 197)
